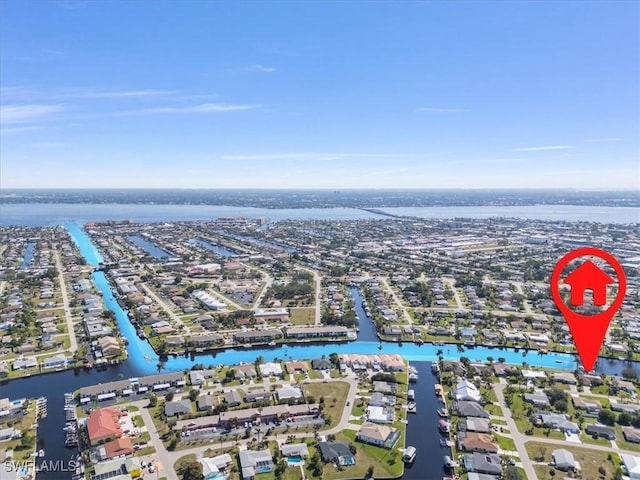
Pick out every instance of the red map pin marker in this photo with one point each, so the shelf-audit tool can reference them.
(588, 331)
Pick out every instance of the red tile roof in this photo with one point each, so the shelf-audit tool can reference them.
(103, 423)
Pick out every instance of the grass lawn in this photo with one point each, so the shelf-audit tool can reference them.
(590, 460)
(586, 438)
(25, 446)
(505, 443)
(303, 316)
(386, 463)
(335, 397)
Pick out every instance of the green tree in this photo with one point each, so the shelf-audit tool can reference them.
(193, 471)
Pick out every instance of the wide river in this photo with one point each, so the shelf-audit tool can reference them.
(49, 214)
(143, 360)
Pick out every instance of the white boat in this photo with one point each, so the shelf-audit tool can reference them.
(272, 343)
(435, 367)
(409, 455)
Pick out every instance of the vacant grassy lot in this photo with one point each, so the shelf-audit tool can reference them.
(590, 460)
(303, 316)
(335, 397)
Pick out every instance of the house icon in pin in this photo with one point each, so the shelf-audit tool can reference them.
(588, 276)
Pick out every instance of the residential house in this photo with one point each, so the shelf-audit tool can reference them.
(470, 409)
(336, 452)
(476, 442)
(631, 434)
(253, 462)
(294, 450)
(243, 371)
(288, 392)
(474, 424)
(563, 460)
(109, 346)
(539, 399)
(213, 466)
(465, 390)
(103, 425)
(601, 431)
(380, 435)
(177, 407)
(204, 402)
(258, 395)
(270, 369)
(232, 398)
(631, 465)
(321, 364)
(482, 463)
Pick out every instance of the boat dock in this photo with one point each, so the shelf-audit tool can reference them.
(41, 407)
(71, 426)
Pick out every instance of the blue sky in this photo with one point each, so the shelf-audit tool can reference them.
(320, 94)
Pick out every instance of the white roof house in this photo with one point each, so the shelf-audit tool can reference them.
(465, 390)
(271, 369)
(631, 465)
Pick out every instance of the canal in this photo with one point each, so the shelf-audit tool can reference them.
(422, 430)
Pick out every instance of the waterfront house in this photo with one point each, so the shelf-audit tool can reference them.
(476, 442)
(270, 369)
(199, 377)
(9, 433)
(563, 460)
(470, 409)
(103, 425)
(482, 463)
(378, 399)
(336, 452)
(465, 390)
(565, 377)
(115, 448)
(332, 331)
(109, 346)
(246, 370)
(56, 361)
(177, 407)
(474, 424)
(385, 387)
(380, 414)
(380, 435)
(481, 476)
(254, 462)
(251, 336)
(321, 364)
(25, 363)
(296, 367)
(117, 467)
(206, 340)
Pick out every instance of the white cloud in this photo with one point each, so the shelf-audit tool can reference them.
(443, 110)
(255, 68)
(27, 113)
(10, 131)
(542, 149)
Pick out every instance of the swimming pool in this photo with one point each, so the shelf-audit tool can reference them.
(294, 460)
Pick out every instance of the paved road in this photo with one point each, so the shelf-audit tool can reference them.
(73, 343)
(167, 459)
(396, 299)
(518, 439)
(525, 303)
(165, 307)
(451, 283)
(317, 279)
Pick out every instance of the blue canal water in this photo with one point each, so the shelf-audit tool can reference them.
(29, 251)
(149, 247)
(217, 249)
(422, 429)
